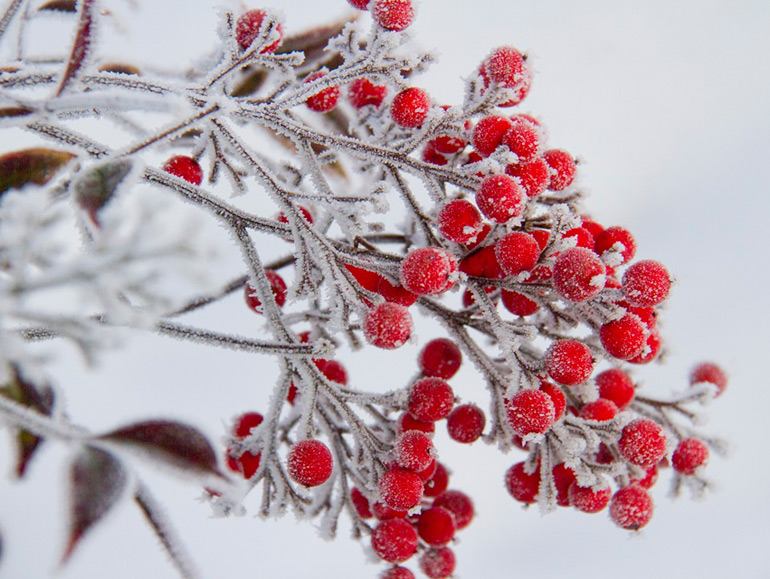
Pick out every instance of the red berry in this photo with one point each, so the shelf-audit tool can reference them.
(360, 4)
(281, 218)
(466, 423)
(563, 477)
(590, 499)
(394, 540)
(600, 410)
(246, 464)
(642, 442)
(431, 399)
(631, 508)
(568, 362)
(591, 226)
(448, 145)
(459, 221)
(185, 168)
(401, 489)
(616, 239)
(651, 349)
(360, 503)
(533, 176)
(363, 92)
(689, 456)
(396, 293)
(615, 385)
(518, 304)
(523, 139)
(333, 370)
(506, 66)
(440, 358)
(438, 562)
(248, 27)
(646, 283)
(436, 526)
(427, 473)
(530, 412)
(309, 463)
(397, 572)
(521, 485)
(650, 478)
(459, 504)
(500, 198)
(557, 397)
(432, 156)
(392, 14)
(582, 238)
(624, 338)
(369, 280)
(245, 423)
(482, 263)
(410, 107)
(438, 483)
(517, 252)
(324, 100)
(428, 270)
(383, 512)
(414, 450)
(408, 422)
(488, 134)
(578, 274)
(388, 325)
(277, 286)
(711, 373)
(562, 169)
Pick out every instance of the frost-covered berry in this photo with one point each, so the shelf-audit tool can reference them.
(650, 478)
(397, 572)
(248, 26)
(590, 499)
(624, 338)
(581, 238)
(408, 422)
(361, 503)
(488, 134)
(518, 304)
(616, 239)
(428, 270)
(557, 397)
(615, 385)
(600, 410)
(325, 99)
(711, 373)
(438, 562)
(631, 508)
(309, 462)
(533, 176)
(568, 362)
(482, 263)
(245, 423)
(394, 540)
(438, 483)
(506, 66)
(436, 526)
(578, 274)
(277, 287)
(334, 370)
(185, 168)
(363, 92)
(459, 504)
(448, 145)
(646, 283)
(392, 14)
(459, 221)
(517, 252)
(388, 325)
(500, 198)
(430, 399)
(400, 489)
(651, 349)
(642, 442)
(530, 412)
(369, 280)
(410, 107)
(360, 4)
(521, 485)
(561, 168)
(396, 293)
(523, 139)
(690, 454)
(383, 512)
(414, 450)
(466, 423)
(563, 477)
(440, 358)
(427, 473)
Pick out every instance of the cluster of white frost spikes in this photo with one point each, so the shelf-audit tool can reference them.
(383, 205)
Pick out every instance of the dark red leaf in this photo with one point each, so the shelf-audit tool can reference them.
(8, 112)
(173, 443)
(97, 480)
(60, 5)
(36, 165)
(81, 45)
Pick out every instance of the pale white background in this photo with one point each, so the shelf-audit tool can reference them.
(665, 102)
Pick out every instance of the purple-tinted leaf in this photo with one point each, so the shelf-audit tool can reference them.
(97, 480)
(39, 398)
(60, 5)
(81, 45)
(173, 443)
(36, 165)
